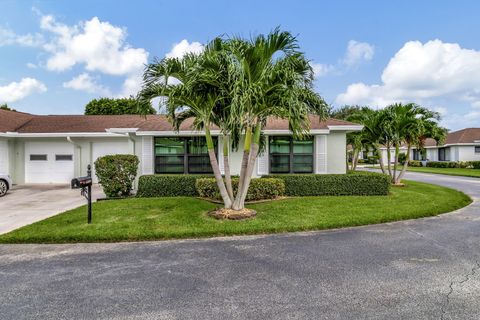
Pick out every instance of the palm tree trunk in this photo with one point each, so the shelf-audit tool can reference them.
(405, 166)
(389, 160)
(226, 164)
(356, 154)
(250, 166)
(243, 169)
(380, 158)
(397, 150)
(216, 170)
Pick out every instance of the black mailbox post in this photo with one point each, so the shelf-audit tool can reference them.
(85, 183)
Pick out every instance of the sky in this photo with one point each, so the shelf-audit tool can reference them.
(56, 56)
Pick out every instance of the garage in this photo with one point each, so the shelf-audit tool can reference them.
(105, 148)
(4, 157)
(49, 162)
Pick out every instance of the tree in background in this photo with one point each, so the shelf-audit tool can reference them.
(111, 106)
(6, 107)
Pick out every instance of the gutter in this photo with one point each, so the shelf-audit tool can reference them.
(69, 139)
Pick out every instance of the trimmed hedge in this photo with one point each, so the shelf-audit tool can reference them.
(116, 173)
(352, 184)
(415, 163)
(474, 164)
(168, 185)
(259, 189)
(447, 164)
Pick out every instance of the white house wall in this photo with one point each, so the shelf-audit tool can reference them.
(467, 153)
(4, 157)
(336, 152)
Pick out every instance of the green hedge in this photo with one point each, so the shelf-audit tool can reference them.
(474, 164)
(447, 164)
(259, 189)
(352, 184)
(168, 185)
(116, 173)
(415, 163)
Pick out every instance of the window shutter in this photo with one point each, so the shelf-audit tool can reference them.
(147, 155)
(262, 160)
(320, 154)
(221, 163)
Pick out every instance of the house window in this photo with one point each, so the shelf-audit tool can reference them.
(291, 156)
(477, 149)
(63, 157)
(182, 155)
(443, 154)
(38, 157)
(418, 154)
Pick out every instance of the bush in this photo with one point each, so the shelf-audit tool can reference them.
(352, 184)
(415, 163)
(402, 157)
(447, 164)
(168, 185)
(259, 189)
(372, 159)
(474, 164)
(116, 173)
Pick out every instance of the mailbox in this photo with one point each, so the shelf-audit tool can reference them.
(81, 182)
(85, 183)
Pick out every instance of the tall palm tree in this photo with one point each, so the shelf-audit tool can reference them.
(274, 79)
(189, 96)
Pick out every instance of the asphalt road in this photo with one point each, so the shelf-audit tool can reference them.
(420, 269)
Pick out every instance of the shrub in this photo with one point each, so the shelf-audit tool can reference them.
(352, 184)
(372, 159)
(474, 164)
(116, 173)
(259, 189)
(402, 157)
(447, 164)
(415, 163)
(168, 185)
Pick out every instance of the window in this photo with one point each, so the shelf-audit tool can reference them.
(63, 157)
(477, 149)
(291, 156)
(444, 154)
(182, 155)
(38, 157)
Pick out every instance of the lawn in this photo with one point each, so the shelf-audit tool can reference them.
(167, 218)
(475, 173)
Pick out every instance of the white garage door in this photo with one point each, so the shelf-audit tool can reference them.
(105, 148)
(49, 162)
(3, 157)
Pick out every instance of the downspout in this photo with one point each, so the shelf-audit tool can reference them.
(79, 151)
(130, 137)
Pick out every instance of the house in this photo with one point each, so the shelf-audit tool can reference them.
(56, 148)
(461, 145)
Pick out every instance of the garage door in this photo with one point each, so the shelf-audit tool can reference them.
(49, 162)
(101, 149)
(3, 157)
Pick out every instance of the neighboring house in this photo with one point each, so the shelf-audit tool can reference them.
(54, 149)
(461, 145)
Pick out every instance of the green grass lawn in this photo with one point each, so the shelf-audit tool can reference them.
(475, 173)
(167, 218)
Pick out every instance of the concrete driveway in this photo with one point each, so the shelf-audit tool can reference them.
(25, 204)
(419, 269)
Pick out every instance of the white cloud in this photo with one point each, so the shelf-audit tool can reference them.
(183, 47)
(426, 73)
(85, 82)
(32, 65)
(8, 37)
(358, 52)
(321, 70)
(98, 45)
(15, 91)
(422, 71)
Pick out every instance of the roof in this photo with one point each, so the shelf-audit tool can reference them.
(27, 123)
(464, 136)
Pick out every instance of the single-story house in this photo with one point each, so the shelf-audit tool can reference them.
(461, 145)
(56, 148)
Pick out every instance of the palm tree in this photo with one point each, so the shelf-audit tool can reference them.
(190, 96)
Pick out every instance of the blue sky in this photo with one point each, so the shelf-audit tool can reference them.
(55, 56)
